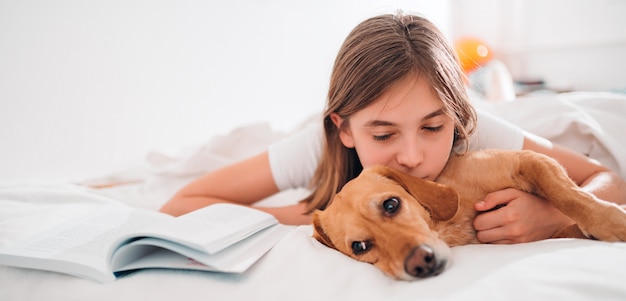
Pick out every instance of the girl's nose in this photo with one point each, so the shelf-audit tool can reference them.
(410, 154)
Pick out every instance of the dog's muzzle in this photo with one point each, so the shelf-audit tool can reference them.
(423, 262)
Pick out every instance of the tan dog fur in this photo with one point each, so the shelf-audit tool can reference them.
(413, 242)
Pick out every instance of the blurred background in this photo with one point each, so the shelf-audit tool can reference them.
(568, 45)
(89, 87)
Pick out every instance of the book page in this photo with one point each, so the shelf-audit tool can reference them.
(80, 247)
(212, 228)
(237, 258)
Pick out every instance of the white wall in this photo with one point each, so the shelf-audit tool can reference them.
(89, 87)
(575, 44)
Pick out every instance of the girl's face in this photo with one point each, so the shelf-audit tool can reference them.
(405, 129)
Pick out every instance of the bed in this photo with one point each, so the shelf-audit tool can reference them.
(300, 268)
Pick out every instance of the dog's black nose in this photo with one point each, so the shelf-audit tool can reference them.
(422, 262)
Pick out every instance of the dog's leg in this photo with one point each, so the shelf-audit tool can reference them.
(571, 231)
(595, 218)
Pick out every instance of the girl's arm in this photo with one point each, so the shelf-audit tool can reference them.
(244, 183)
(527, 217)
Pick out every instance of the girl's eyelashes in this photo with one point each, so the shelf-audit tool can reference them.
(433, 128)
(382, 137)
(429, 129)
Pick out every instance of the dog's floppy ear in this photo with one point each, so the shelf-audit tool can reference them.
(442, 201)
(318, 230)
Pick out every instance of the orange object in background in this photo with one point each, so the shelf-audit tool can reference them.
(472, 53)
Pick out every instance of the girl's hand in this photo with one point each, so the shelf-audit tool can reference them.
(290, 215)
(522, 217)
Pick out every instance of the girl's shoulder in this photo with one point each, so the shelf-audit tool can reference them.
(294, 159)
(495, 132)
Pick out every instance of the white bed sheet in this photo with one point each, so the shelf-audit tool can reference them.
(300, 268)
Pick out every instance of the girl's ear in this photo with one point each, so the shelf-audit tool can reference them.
(344, 132)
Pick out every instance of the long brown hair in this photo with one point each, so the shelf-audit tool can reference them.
(379, 52)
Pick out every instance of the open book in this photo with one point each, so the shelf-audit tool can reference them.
(115, 239)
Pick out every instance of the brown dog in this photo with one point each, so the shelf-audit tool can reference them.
(405, 226)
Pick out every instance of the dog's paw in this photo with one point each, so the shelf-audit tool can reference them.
(608, 224)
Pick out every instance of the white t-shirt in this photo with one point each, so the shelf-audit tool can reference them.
(294, 159)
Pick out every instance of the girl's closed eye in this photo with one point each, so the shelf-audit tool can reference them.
(382, 137)
(433, 129)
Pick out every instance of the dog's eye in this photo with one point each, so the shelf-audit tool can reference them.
(391, 205)
(360, 247)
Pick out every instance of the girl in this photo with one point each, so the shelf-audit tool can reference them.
(396, 98)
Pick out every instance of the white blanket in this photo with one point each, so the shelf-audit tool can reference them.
(590, 123)
(300, 268)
